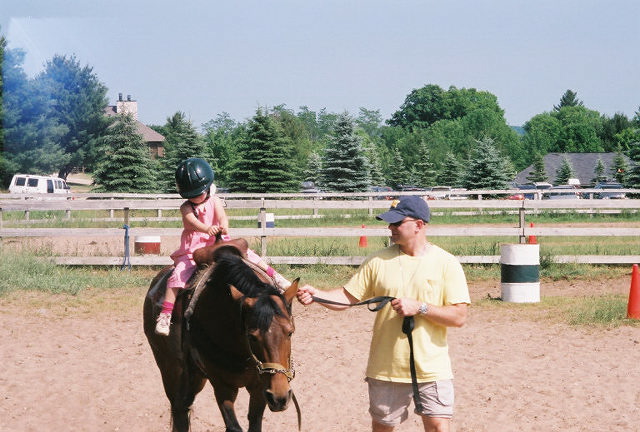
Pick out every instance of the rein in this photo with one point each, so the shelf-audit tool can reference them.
(408, 323)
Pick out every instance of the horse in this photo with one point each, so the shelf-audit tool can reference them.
(237, 334)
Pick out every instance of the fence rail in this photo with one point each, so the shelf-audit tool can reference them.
(128, 202)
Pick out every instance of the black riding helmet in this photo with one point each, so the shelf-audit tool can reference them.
(193, 177)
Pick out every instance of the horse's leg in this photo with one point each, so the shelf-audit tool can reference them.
(183, 399)
(257, 404)
(226, 397)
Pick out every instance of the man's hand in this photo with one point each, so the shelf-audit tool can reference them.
(305, 294)
(406, 306)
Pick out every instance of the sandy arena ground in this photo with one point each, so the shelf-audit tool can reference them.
(68, 367)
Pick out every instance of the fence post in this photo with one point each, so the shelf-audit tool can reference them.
(126, 215)
(521, 214)
(262, 223)
(370, 206)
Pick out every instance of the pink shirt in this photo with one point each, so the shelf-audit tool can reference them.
(191, 240)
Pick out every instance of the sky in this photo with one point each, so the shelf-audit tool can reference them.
(207, 57)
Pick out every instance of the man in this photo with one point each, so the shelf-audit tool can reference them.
(429, 284)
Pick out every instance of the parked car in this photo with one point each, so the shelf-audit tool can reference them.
(310, 188)
(37, 184)
(439, 192)
(386, 189)
(523, 192)
(457, 195)
(562, 192)
(611, 192)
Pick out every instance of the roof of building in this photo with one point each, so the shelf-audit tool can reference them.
(148, 134)
(583, 165)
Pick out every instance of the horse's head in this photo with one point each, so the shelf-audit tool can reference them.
(268, 324)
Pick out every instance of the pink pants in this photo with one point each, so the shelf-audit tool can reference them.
(185, 266)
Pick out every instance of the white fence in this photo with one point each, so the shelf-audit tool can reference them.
(124, 203)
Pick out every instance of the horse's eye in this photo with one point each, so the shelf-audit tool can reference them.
(252, 336)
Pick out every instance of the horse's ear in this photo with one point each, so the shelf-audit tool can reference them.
(291, 292)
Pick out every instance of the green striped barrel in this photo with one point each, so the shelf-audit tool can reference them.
(520, 273)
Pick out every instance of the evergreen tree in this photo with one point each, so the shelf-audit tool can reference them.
(399, 173)
(425, 173)
(632, 179)
(345, 167)
(373, 159)
(181, 142)
(568, 99)
(76, 100)
(564, 173)
(314, 168)
(124, 164)
(451, 172)
(538, 173)
(265, 159)
(598, 172)
(619, 168)
(487, 167)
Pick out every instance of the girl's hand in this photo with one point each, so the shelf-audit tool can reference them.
(214, 230)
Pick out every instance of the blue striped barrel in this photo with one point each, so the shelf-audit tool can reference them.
(520, 273)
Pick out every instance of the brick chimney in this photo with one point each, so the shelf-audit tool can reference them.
(127, 106)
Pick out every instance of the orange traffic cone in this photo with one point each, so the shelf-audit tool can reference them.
(532, 239)
(363, 240)
(633, 308)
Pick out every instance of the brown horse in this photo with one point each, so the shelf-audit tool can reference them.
(238, 334)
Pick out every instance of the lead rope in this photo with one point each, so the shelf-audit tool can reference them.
(408, 324)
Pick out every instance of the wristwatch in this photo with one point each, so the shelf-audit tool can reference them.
(422, 310)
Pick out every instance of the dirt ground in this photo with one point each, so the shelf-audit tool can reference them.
(69, 366)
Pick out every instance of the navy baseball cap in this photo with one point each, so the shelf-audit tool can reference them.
(407, 206)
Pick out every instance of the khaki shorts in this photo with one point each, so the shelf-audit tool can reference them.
(389, 401)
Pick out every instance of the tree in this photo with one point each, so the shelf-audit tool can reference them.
(564, 172)
(181, 142)
(222, 138)
(31, 136)
(619, 168)
(125, 164)
(632, 178)
(487, 168)
(399, 173)
(568, 99)
(424, 173)
(598, 173)
(451, 172)
(265, 159)
(345, 167)
(538, 173)
(314, 168)
(77, 101)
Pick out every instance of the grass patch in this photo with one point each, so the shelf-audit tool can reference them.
(29, 272)
(608, 311)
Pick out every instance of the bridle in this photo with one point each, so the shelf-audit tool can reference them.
(273, 368)
(270, 368)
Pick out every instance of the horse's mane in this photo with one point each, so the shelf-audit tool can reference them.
(235, 272)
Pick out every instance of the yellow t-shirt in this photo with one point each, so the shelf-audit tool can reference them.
(436, 278)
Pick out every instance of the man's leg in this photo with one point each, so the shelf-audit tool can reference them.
(436, 424)
(377, 427)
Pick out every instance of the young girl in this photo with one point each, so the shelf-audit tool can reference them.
(203, 217)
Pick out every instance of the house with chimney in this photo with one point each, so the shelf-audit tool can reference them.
(154, 140)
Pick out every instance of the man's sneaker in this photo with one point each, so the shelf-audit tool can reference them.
(281, 283)
(163, 323)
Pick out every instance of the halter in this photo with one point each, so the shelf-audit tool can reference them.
(271, 368)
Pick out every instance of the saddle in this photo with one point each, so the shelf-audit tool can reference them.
(205, 258)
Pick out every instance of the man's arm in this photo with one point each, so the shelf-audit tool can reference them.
(454, 315)
(340, 295)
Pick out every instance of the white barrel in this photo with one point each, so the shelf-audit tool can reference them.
(270, 220)
(147, 245)
(520, 273)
